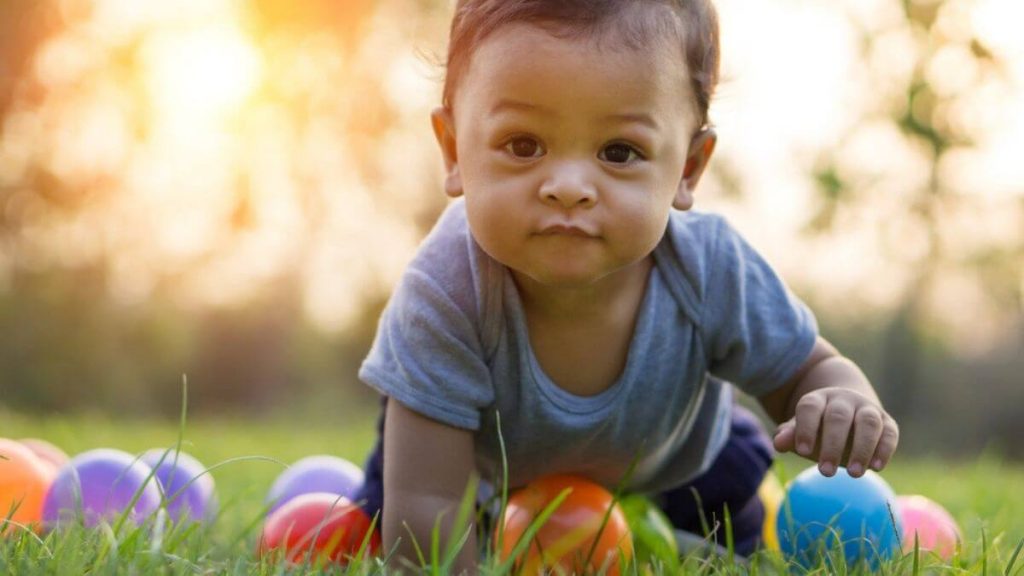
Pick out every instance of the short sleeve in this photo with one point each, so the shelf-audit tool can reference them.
(757, 332)
(428, 352)
(427, 355)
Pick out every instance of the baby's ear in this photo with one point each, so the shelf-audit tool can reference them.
(444, 129)
(702, 146)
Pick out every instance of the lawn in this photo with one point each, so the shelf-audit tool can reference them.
(985, 495)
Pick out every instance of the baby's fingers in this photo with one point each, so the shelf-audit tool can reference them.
(836, 424)
(785, 436)
(886, 444)
(807, 420)
(868, 425)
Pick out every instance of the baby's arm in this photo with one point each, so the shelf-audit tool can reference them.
(427, 466)
(830, 413)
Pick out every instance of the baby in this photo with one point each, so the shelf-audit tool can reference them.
(569, 301)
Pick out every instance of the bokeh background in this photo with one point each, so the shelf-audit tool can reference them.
(225, 191)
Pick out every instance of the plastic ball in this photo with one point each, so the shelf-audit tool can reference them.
(24, 480)
(188, 489)
(771, 494)
(935, 528)
(46, 451)
(324, 525)
(572, 539)
(322, 473)
(653, 533)
(821, 515)
(100, 485)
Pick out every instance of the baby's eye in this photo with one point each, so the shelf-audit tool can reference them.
(619, 153)
(524, 147)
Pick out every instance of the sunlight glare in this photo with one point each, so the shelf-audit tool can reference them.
(200, 73)
(998, 23)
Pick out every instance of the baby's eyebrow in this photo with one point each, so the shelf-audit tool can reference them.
(639, 118)
(509, 105)
(506, 104)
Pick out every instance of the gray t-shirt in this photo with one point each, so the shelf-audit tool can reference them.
(452, 344)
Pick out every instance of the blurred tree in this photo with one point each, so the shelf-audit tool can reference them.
(23, 26)
(320, 171)
(94, 309)
(935, 108)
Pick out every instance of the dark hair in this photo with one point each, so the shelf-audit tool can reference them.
(693, 23)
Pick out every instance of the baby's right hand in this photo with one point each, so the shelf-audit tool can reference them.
(427, 469)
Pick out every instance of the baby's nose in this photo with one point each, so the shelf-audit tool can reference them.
(569, 185)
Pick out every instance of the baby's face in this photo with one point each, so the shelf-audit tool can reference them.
(570, 152)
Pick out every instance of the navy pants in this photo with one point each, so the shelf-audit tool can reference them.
(731, 482)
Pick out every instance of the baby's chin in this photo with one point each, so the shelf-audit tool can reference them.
(567, 278)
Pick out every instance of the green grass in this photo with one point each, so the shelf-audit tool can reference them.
(985, 495)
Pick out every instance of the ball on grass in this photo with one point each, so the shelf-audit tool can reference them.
(188, 488)
(318, 526)
(824, 515)
(24, 480)
(100, 485)
(573, 539)
(653, 533)
(771, 493)
(46, 451)
(933, 525)
(321, 473)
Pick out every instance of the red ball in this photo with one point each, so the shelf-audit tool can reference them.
(566, 542)
(328, 526)
(935, 528)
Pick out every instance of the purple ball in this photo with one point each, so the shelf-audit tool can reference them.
(188, 489)
(100, 485)
(321, 473)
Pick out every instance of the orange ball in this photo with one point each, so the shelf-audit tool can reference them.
(24, 480)
(566, 541)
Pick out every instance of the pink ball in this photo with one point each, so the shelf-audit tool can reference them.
(47, 452)
(936, 529)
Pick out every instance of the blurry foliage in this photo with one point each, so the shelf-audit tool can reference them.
(23, 26)
(67, 345)
(921, 379)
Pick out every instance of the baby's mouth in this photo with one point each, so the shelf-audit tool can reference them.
(566, 230)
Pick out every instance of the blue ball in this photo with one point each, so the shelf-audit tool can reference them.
(821, 515)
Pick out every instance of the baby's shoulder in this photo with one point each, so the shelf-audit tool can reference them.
(688, 255)
(451, 264)
(694, 238)
(447, 247)
(698, 229)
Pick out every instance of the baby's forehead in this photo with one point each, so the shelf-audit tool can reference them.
(641, 26)
(536, 59)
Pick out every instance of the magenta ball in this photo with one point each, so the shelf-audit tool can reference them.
(188, 489)
(321, 473)
(100, 485)
(935, 528)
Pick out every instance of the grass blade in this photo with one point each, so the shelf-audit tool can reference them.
(984, 553)
(462, 524)
(917, 555)
(1013, 558)
(416, 545)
